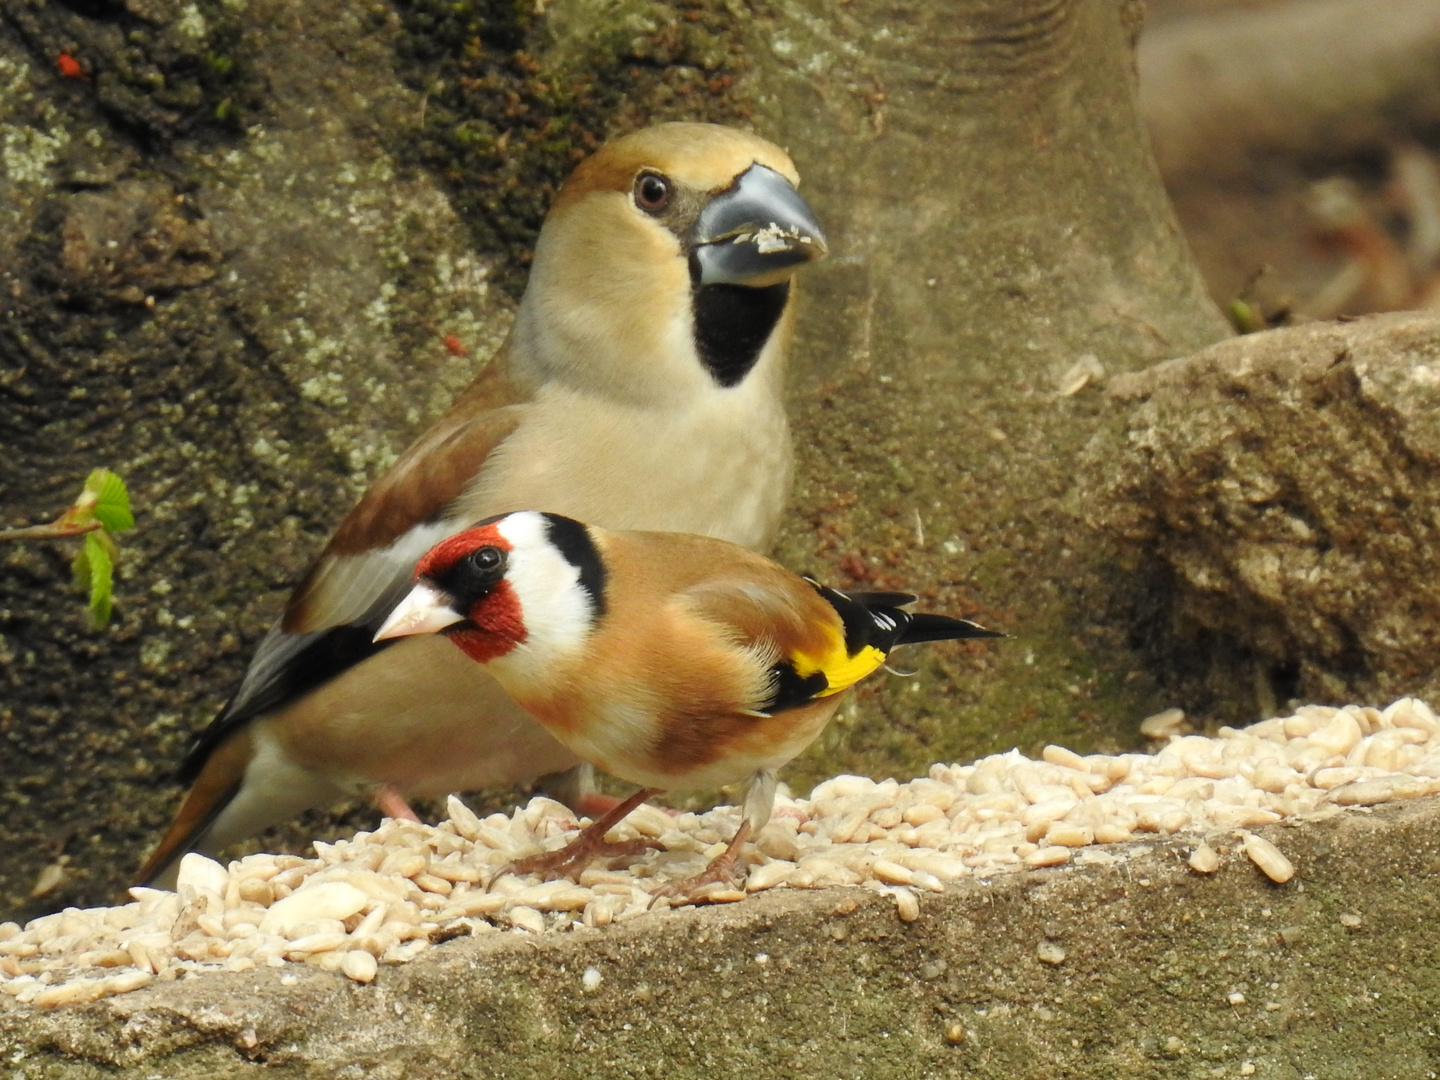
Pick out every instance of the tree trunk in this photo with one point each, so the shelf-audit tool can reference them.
(232, 270)
(1000, 232)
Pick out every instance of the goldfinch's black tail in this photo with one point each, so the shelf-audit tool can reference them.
(924, 626)
(879, 620)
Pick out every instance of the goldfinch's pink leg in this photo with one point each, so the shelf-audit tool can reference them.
(721, 869)
(392, 804)
(589, 844)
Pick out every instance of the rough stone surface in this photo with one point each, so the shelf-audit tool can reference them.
(1287, 481)
(1142, 968)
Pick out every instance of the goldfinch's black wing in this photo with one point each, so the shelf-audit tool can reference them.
(872, 624)
(870, 600)
(823, 641)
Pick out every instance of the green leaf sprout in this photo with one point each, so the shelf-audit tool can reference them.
(100, 510)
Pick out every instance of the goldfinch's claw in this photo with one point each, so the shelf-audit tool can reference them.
(700, 888)
(725, 870)
(574, 857)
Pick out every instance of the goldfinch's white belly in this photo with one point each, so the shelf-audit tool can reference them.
(630, 744)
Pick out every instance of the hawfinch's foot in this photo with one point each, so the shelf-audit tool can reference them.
(392, 804)
(595, 804)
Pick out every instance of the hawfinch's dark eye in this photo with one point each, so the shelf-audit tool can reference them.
(486, 561)
(652, 192)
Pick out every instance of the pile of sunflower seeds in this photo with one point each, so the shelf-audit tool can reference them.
(388, 895)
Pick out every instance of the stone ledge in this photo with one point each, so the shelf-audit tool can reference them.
(1283, 482)
(833, 983)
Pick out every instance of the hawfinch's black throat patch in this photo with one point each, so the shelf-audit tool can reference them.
(732, 325)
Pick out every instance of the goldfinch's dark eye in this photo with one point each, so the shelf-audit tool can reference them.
(485, 561)
(472, 577)
(652, 192)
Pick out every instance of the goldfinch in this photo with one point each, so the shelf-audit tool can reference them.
(640, 387)
(670, 660)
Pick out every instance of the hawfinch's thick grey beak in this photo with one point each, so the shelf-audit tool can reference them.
(425, 610)
(755, 233)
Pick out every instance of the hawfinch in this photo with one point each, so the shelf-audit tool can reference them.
(640, 387)
(672, 661)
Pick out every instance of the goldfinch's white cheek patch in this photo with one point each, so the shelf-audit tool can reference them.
(523, 529)
(556, 609)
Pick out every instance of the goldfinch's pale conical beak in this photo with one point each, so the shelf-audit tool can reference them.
(425, 610)
(756, 232)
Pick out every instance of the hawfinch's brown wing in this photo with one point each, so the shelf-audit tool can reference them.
(368, 563)
(400, 517)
